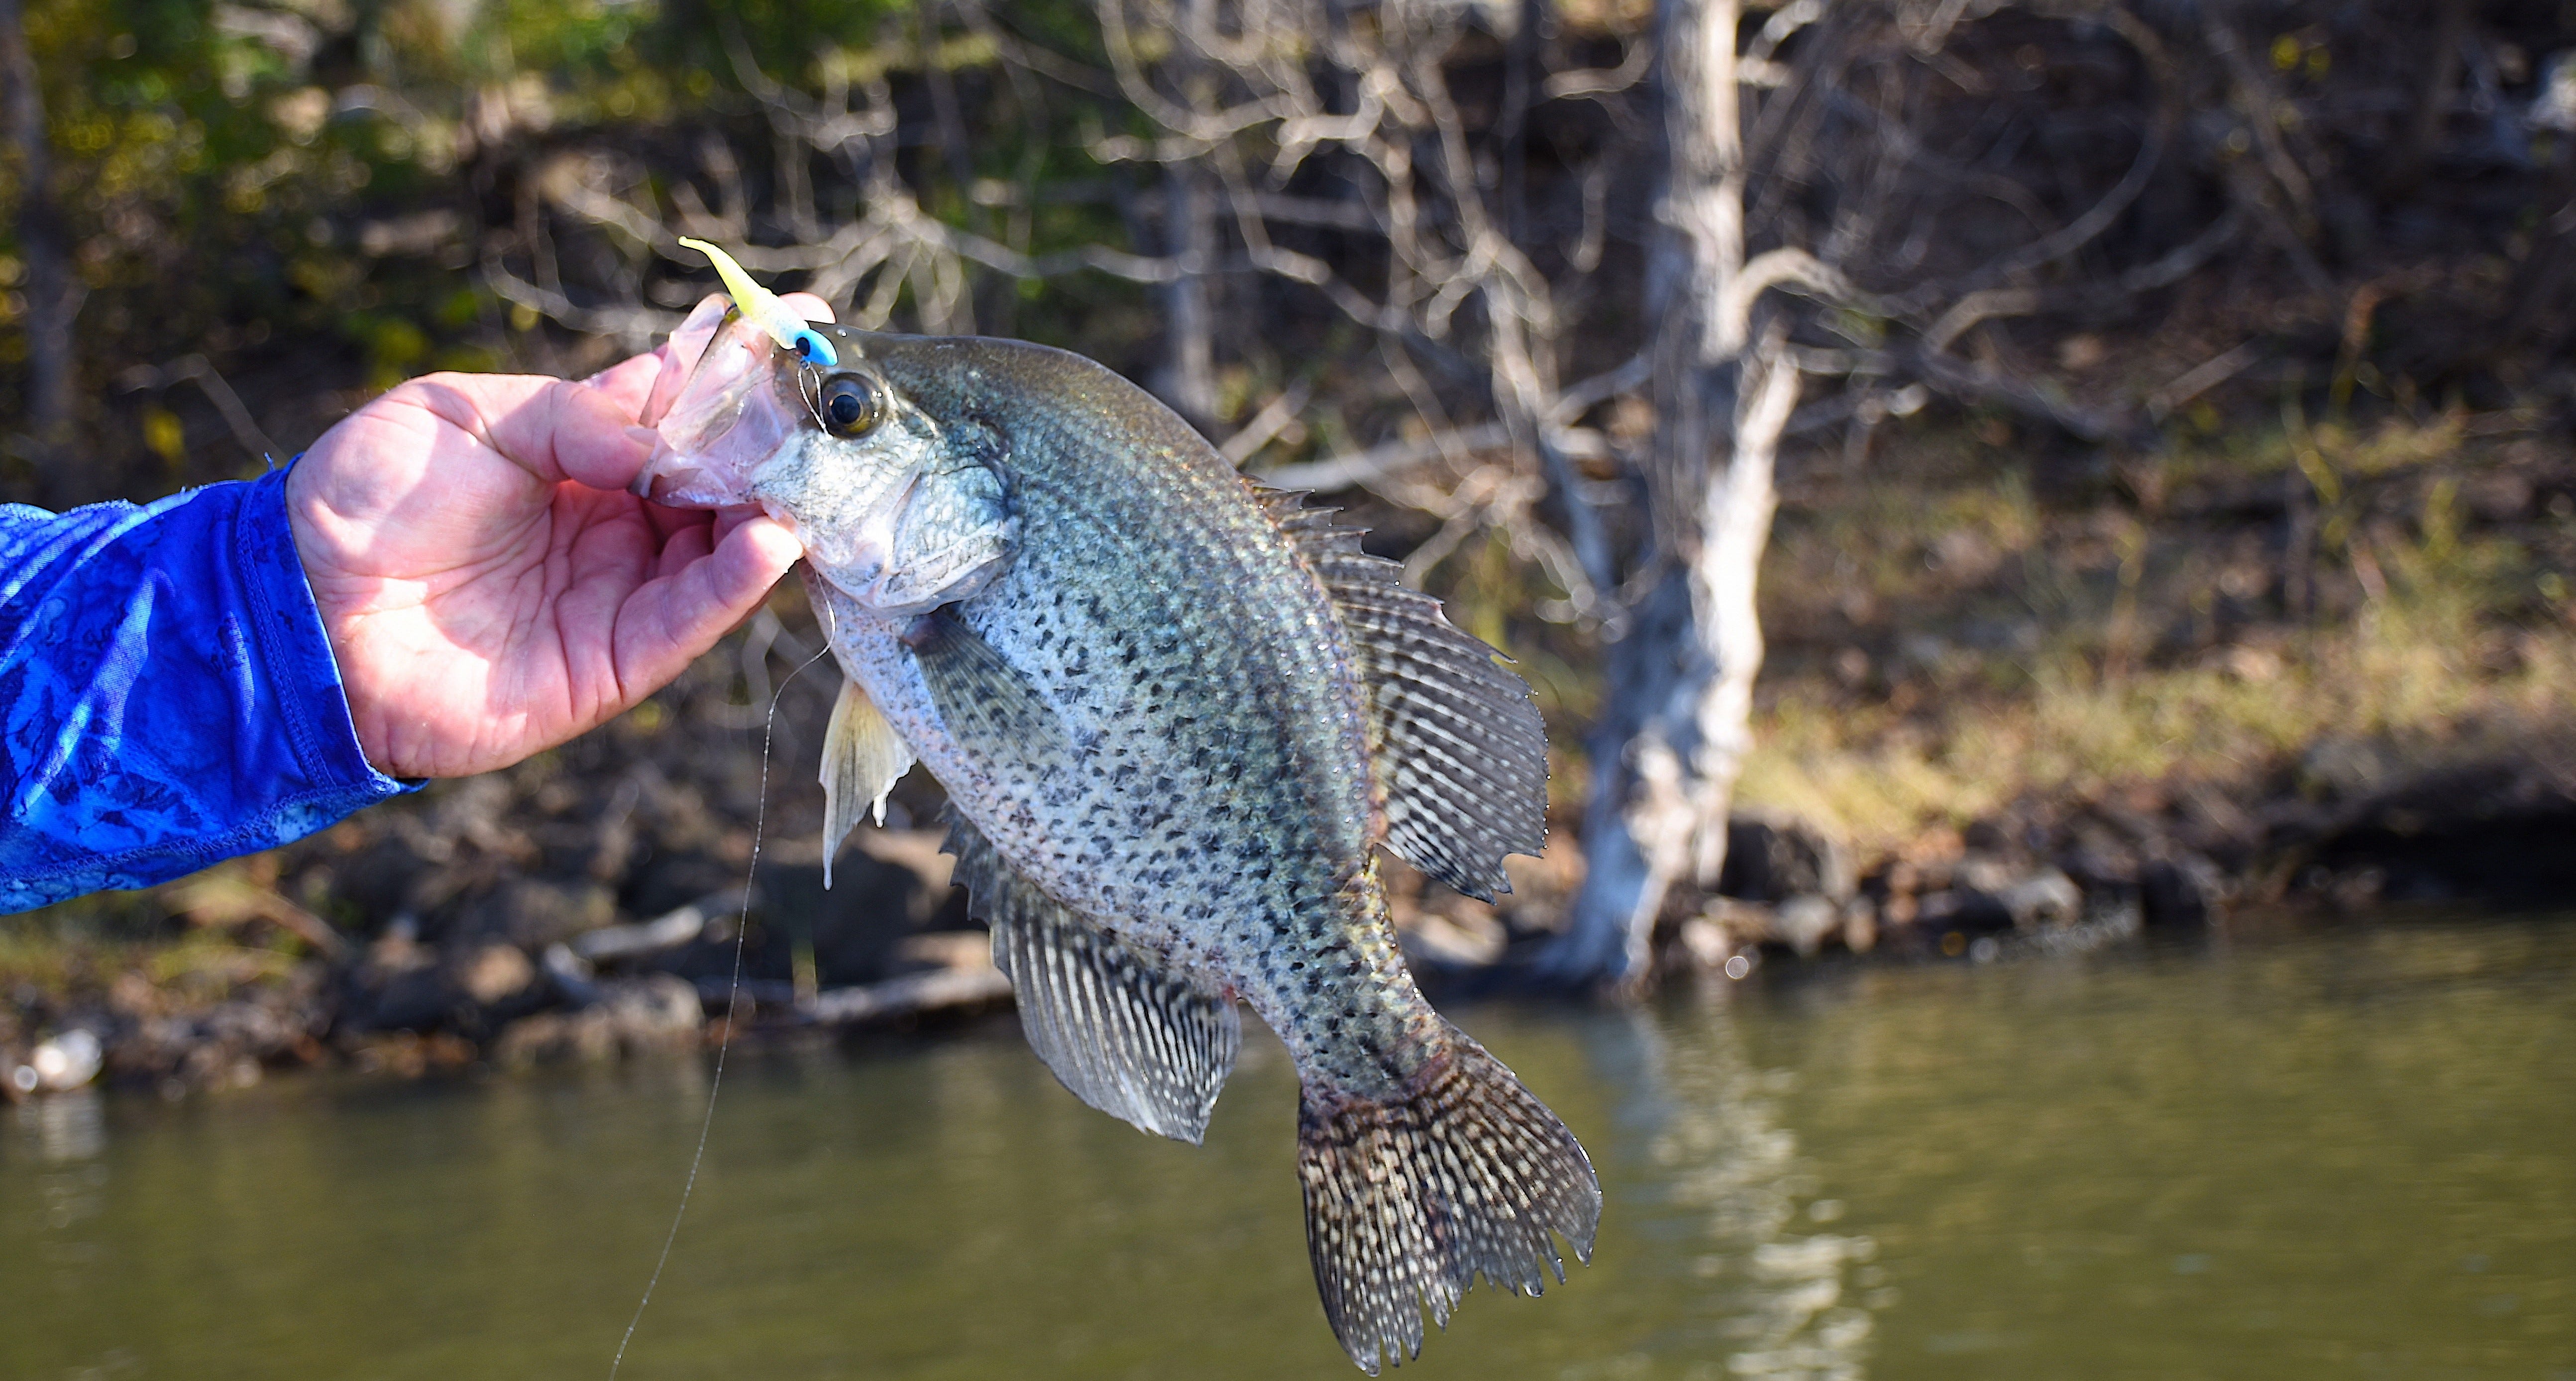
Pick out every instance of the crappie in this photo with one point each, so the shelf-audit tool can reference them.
(1174, 714)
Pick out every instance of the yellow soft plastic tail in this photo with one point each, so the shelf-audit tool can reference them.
(792, 332)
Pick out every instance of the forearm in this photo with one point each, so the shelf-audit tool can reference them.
(167, 695)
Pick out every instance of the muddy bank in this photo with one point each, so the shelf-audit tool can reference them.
(2348, 828)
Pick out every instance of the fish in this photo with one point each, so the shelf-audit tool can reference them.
(1177, 716)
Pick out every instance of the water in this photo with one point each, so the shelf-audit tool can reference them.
(2340, 1154)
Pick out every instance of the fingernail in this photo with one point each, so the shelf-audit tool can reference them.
(645, 437)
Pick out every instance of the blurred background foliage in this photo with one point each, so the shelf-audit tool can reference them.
(298, 192)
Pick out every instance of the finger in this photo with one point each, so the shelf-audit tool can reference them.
(727, 519)
(555, 429)
(670, 622)
(668, 522)
(808, 306)
(684, 549)
(629, 381)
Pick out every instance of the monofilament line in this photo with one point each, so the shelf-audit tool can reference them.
(733, 1002)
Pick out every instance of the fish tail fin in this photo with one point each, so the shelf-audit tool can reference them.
(1461, 1172)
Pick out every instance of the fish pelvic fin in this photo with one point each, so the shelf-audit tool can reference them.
(862, 760)
(1408, 1199)
(1459, 751)
(1121, 1031)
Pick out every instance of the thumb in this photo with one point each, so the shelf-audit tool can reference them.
(673, 620)
(555, 429)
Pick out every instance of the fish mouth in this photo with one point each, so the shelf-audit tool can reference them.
(676, 484)
(727, 400)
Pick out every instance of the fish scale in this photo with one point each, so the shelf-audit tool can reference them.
(1284, 714)
(1175, 717)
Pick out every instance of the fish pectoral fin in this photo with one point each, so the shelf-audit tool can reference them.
(989, 707)
(1458, 748)
(1127, 1036)
(863, 758)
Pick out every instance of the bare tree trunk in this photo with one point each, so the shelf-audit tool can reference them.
(1673, 733)
(1187, 379)
(53, 296)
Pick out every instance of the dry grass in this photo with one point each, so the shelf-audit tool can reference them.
(1947, 646)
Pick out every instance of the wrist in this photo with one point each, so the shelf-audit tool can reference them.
(305, 518)
(296, 640)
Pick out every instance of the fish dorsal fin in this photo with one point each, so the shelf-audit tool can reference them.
(1460, 752)
(862, 760)
(1127, 1036)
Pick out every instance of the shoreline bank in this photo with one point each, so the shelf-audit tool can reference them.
(253, 983)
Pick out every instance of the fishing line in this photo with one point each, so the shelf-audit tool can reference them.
(733, 1002)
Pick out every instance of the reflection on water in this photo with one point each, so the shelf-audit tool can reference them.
(1722, 1187)
(72, 1126)
(2336, 1155)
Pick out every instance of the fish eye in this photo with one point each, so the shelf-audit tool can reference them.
(851, 406)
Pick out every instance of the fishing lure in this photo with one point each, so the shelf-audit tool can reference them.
(763, 308)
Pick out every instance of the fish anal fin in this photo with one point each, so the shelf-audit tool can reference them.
(1461, 754)
(1145, 1045)
(1459, 1172)
(863, 758)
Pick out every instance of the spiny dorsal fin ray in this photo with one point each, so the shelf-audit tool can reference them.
(862, 760)
(1461, 754)
(1137, 1042)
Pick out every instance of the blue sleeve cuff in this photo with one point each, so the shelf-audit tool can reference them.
(167, 695)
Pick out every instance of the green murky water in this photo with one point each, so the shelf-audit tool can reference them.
(2339, 1155)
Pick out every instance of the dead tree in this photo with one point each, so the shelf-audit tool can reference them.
(1673, 731)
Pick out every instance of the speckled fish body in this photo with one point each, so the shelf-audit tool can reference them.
(1175, 715)
(1211, 793)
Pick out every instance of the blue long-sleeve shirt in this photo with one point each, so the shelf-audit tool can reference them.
(167, 695)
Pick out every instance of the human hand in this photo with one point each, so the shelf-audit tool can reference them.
(488, 585)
